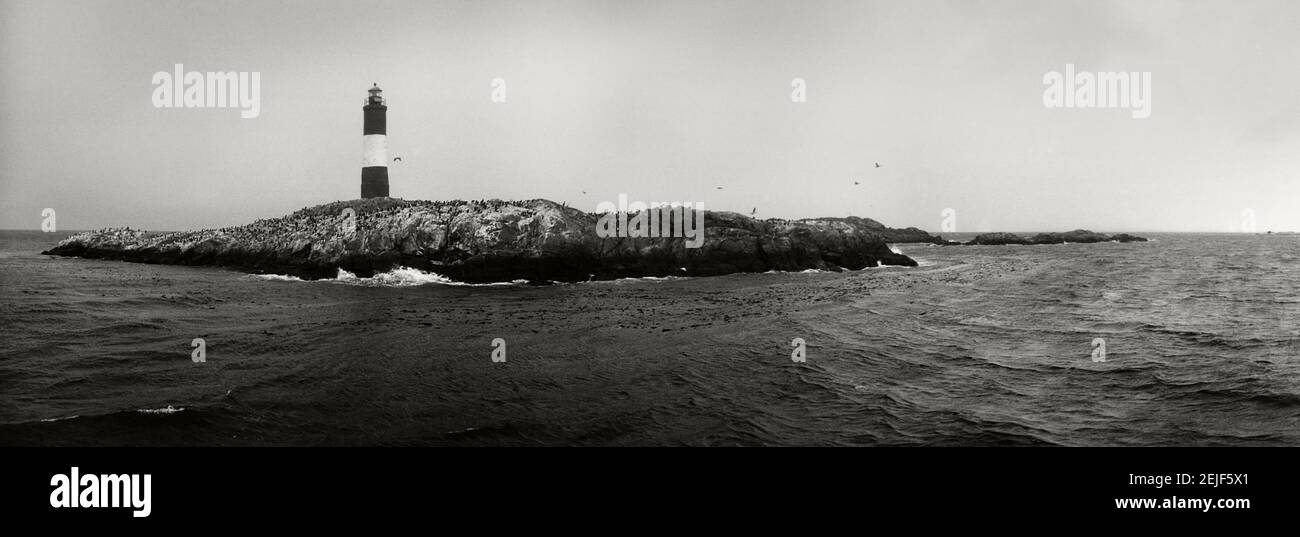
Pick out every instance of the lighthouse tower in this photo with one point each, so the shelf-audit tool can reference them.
(374, 154)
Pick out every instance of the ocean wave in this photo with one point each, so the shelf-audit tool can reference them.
(635, 279)
(169, 410)
(50, 420)
(398, 277)
(409, 277)
(276, 277)
(823, 271)
(919, 263)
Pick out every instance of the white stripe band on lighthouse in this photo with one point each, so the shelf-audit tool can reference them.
(374, 150)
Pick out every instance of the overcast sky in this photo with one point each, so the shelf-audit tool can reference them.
(663, 101)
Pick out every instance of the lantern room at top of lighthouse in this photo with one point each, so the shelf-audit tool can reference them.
(376, 96)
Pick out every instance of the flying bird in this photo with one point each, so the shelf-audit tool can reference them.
(855, 182)
(719, 188)
(397, 159)
(877, 164)
(753, 212)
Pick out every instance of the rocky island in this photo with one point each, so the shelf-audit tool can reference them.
(1076, 236)
(495, 241)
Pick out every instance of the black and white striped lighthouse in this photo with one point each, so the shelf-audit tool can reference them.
(374, 153)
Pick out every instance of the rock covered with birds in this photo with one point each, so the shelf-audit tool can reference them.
(494, 240)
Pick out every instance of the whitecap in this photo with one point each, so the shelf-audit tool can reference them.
(409, 277)
(72, 417)
(169, 410)
(276, 277)
(634, 279)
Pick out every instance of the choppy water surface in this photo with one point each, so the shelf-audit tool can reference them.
(979, 346)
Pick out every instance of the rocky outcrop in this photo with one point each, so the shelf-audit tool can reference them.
(1076, 236)
(1125, 237)
(493, 240)
(993, 239)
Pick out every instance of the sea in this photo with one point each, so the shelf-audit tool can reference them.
(1190, 339)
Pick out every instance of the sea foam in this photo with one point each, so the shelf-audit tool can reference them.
(409, 277)
(169, 410)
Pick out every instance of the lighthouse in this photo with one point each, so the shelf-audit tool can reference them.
(374, 152)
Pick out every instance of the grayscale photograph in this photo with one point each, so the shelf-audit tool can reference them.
(602, 223)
